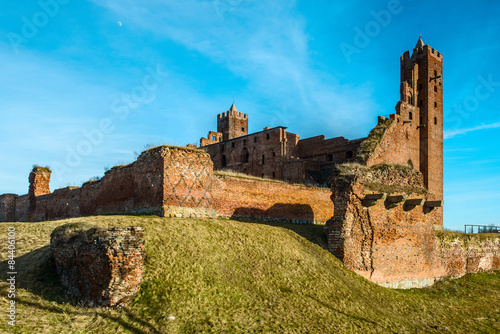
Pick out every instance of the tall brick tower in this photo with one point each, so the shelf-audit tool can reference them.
(422, 89)
(232, 124)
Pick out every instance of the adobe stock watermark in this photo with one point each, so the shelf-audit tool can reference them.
(483, 91)
(225, 7)
(11, 274)
(120, 108)
(31, 26)
(364, 35)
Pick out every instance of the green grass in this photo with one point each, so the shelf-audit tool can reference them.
(225, 276)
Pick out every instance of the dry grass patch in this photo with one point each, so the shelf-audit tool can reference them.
(225, 276)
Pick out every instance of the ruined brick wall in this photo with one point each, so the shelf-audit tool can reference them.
(390, 240)
(473, 255)
(22, 204)
(328, 151)
(8, 207)
(187, 181)
(260, 154)
(62, 203)
(136, 188)
(100, 267)
(246, 198)
(39, 179)
(399, 143)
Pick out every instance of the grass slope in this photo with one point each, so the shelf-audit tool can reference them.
(226, 276)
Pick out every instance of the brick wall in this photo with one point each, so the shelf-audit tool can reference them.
(385, 240)
(474, 255)
(245, 198)
(22, 204)
(100, 267)
(62, 203)
(7, 207)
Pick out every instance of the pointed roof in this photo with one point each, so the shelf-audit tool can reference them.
(233, 108)
(420, 43)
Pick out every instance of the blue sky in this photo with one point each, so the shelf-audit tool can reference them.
(87, 84)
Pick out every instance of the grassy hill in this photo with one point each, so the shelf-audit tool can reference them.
(225, 276)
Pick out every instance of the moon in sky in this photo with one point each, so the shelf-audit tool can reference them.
(120, 23)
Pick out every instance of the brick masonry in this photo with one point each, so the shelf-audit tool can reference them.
(389, 241)
(238, 197)
(176, 182)
(101, 267)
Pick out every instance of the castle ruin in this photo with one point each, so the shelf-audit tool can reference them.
(382, 205)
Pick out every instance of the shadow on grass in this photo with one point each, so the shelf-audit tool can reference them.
(36, 273)
(314, 233)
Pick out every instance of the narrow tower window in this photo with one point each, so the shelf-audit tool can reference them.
(435, 89)
(435, 120)
(410, 115)
(263, 159)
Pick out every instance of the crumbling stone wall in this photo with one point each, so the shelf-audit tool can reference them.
(62, 203)
(39, 185)
(7, 207)
(382, 225)
(100, 267)
(468, 254)
(240, 197)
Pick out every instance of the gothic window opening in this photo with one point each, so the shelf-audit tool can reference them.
(244, 155)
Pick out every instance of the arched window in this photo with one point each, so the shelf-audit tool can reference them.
(274, 175)
(224, 162)
(244, 155)
(263, 159)
(410, 115)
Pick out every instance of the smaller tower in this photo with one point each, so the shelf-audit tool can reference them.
(232, 124)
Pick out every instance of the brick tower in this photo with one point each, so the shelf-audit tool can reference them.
(422, 89)
(232, 124)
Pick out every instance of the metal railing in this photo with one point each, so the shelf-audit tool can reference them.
(481, 229)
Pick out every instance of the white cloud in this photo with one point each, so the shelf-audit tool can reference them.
(452, 133)
(263, 42)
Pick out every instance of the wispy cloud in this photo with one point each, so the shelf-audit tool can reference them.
(270, 50)
(452, 133)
